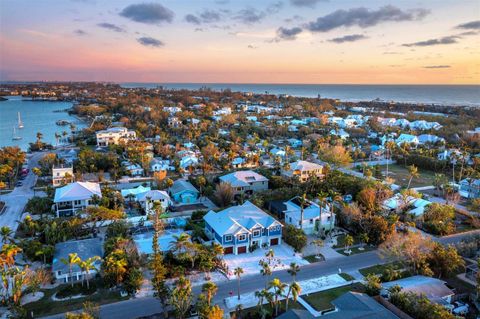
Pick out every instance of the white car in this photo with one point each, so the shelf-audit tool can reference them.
(460, 308)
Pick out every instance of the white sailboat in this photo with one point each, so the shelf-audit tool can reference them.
(15, 137)
(20, 124)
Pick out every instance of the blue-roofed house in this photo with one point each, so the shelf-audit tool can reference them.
(430, 139)
(239, 227)
(183, 192)
(469, 188)
(407, 139)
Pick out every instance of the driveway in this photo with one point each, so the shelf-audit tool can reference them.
(16, 200)
(284, 255)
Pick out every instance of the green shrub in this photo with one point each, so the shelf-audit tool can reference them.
(294, 237)
(77, 289)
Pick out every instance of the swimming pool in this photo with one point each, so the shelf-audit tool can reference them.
(144, 241)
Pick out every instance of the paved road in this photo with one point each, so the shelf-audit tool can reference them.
(138, 307)
(16, 200)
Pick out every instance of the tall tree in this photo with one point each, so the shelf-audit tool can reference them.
(72, 260)
(238, 273)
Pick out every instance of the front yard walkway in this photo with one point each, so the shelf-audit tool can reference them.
(310, 286)
(327, 251)
(249, 261)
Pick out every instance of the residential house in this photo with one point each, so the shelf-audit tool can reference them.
(434, 289)
(314, 218)
(430, 139)
(469, 188)
(161, 165)
(133, 169)
(407, 139)
(183, 192)
(295, 143)
(238, 228)
(114, 135)
(245, 182)
(84, 248)
(74, 197)
(412, 205)
(62, 175)
(174, 122)
(133, 194)
(304, 170)
(150, 198)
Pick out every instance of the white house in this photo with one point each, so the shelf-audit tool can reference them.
(245, 182)
(160, 165)
(304, 170)
(74, 197)
(430, 139)
(85, 248)
(314, 218)
(238, 228)
(434, 289)
(148, 199)
(413, 205)
(407, 139)
(114, 135)
(62, 175)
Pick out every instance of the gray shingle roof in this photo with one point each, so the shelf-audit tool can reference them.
(85, 248)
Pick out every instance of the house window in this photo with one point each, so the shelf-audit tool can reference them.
(242, 237)
(77, 202)
(290, 219)
(311, 221)
(256, 233)
(228, 238)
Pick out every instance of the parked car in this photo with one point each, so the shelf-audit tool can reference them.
(460, 308)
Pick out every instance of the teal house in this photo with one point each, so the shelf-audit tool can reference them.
(183, 192)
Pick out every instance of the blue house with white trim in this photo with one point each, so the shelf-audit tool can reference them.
(239, 227)
(183, 192)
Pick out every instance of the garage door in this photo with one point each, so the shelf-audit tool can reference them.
(242, 249)
(273, 241)
(228, 250)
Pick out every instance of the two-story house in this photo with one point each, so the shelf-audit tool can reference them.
(469, 188)
(62, 175)
(245, 182)
(315, 219)
(303, 170)
(114, 135)
(238, 228)
(74, 197)
(150, 198)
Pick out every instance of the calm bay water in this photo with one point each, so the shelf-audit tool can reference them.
(36, 117)
(466, 95)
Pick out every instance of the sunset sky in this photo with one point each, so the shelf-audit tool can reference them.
(241, 41)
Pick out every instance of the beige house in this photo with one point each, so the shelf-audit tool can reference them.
(245, 182)
(62, 175)
(304, 170)
(114, 135)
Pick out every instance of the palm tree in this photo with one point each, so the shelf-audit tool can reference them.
(238, 272)
(45, 250)
(303, 202)
(181, 242)
(6, 234)
(278, 290)
(348, 242)
(72, 260)
(265, 271)
(412, 173)
(263, 295)
(8, 253)
(57, 137)
(294, 270)
(88, 265)
(209, 289)
(294, 289)
(319, 244)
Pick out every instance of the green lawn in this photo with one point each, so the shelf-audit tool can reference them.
(346, 276)
(341, 241)
(400, 175)
(355, 250)
(46, 306)
(251, 313)
(378, 269)
(322, 300)
(313, 258)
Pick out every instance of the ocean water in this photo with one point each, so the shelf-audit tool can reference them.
(38, 116)
(466, 95)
